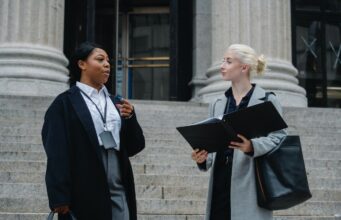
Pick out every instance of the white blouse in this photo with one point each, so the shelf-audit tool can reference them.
(113, 120)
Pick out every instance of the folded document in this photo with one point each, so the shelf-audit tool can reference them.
(215, 133)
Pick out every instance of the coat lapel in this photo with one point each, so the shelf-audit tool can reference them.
(257, 96)
(84, 116)
(219, 106)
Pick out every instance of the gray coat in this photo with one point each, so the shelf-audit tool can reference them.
(243, 189)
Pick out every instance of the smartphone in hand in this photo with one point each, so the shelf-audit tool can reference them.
(118, 99)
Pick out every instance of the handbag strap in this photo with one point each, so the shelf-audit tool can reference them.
(51, 215)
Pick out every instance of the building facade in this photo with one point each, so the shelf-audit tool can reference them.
(172, 49)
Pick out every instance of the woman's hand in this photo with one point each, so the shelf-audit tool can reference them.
(62, 209)
(199, 156)
(245, 145)
(126, 109)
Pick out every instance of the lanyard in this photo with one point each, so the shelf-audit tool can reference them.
(104, 118)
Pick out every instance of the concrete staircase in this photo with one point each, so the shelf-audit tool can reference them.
(168, 184)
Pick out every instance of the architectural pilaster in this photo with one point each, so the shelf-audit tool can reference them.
(265, 25)
(31, 43)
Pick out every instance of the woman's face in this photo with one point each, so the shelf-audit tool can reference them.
(231, 69)
(96, 68)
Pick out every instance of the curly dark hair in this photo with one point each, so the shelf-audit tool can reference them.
(82, 52)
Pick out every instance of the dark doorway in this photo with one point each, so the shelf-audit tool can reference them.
(317, 50)
(149, 41)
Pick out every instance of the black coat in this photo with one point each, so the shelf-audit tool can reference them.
(75, 174)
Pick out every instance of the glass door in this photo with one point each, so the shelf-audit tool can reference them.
(143, 55)
(317, 50)
(333, 63)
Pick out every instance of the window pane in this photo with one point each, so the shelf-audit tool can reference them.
(149, 83)
(333, 63)
(308, 59)
(149, 37)
(333, 5)
(308, 49)
(308, 5)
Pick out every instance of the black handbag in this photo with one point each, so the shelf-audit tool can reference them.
(281, 177)
(51, 215)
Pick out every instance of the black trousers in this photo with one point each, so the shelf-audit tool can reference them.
(221, 191)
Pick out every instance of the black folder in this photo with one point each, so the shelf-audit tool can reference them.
(214, 134)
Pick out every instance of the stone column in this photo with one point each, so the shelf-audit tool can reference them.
(31, 42)
(265, 25)
(201, 45)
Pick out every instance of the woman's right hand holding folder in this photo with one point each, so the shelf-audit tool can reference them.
(199, 156)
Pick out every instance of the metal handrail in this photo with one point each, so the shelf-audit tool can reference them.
(166, 65)
(148, 59)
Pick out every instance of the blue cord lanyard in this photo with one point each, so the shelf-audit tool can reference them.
(103, 117)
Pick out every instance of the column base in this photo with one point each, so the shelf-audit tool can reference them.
(31, 87)
(32, 70)
(279, 78)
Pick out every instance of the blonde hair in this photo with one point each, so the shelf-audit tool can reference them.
(248, 56)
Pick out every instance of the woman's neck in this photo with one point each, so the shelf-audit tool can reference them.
(241, 88)
(91, 83)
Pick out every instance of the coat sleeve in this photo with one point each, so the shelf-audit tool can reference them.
(134, 136)
(205, 166)
(262, 145)
(56, 145)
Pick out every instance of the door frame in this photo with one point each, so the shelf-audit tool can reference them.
(125, 19)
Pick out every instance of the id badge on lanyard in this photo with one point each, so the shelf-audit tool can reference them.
(106, 136)
(108, 140)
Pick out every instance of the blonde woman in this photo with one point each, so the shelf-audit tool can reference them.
(232, 189)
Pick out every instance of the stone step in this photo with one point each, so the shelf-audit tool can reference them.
(9, 190)
(304, 217)
(142, 191)
(23, 155)
(43, 216)
(24, 102)
(160, 132)
(305, 114)
(313, 208)
(145, 120)
(144, 206)
(184, 154)
(308, 144)
(153, 123)
(27, 128)
(175, 146)
(309, 152)
(157, 169)
(197, 179)
(15, 147)
(152, 191)
(168, 207)
(40, 166)
(23, 166)
(160, 108)
(15, 131)
(313, 131)
(173, 120)
(163, 159)
(29, 131)
(22, 114)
